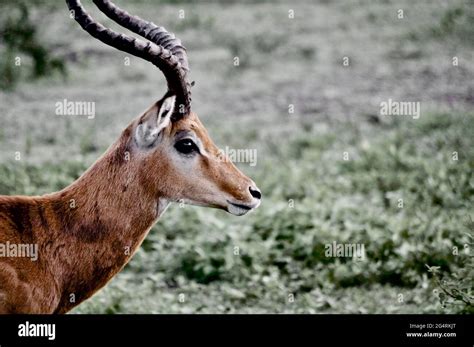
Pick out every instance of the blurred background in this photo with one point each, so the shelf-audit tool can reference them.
(306, 94)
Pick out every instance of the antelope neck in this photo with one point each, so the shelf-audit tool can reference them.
(101, 220)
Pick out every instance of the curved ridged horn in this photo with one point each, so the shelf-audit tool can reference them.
(165, 51)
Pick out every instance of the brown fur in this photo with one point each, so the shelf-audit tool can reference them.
(87, 232)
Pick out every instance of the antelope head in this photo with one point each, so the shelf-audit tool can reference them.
(170, 150)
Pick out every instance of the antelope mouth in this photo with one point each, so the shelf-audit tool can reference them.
(239, 209)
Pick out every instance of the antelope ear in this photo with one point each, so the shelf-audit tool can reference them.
(153, 121)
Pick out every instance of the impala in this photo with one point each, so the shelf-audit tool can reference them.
(87, 232)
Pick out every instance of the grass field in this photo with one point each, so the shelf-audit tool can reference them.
(334, 170)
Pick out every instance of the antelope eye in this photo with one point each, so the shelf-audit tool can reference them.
(186, 146)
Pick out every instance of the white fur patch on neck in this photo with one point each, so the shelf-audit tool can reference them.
(161, 206)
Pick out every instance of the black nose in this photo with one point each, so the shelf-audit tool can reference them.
(255, 193)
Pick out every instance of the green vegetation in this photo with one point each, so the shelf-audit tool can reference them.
(406, 191)
(255, 262)
(19, 39)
